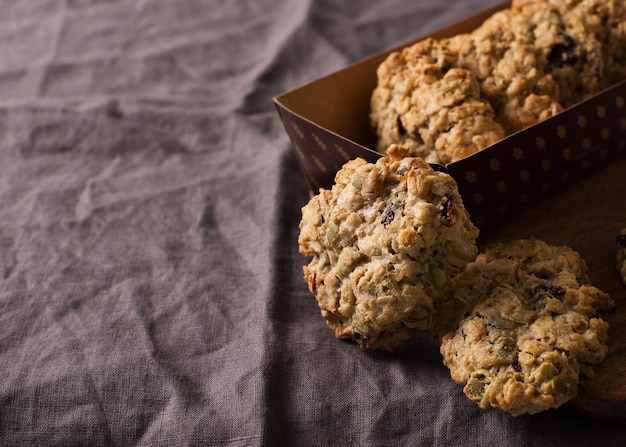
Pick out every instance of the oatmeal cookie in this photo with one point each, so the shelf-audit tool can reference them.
(449, 98)
(425, 103)
(384, 241)
(606, 19)
(502, 56)
(621, 255)
(531, 329)
(567, 50)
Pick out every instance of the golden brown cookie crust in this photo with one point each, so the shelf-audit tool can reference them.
(426, 104)
(606, 19)
(449, 98)
(533, 331)
(384, 241)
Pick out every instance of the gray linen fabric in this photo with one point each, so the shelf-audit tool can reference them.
(151, 291)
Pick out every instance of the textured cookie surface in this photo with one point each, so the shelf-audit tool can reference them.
(426, 104)
(512, 74)
(384, 241)
(449, 98)
(568, 49)
(530, 327)
(606, 20)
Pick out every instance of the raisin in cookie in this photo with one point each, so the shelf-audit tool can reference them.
(426, 103)
(606, 19)
(502, 56)
(568, 50)
(384, 241)
(533, 331)
(621, 255)
(449, 98)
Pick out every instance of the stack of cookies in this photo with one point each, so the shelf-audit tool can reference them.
(449, 98)
(385, 240)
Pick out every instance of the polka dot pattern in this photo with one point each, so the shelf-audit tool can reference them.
(508, 176)
(320, 153)
(545, 158)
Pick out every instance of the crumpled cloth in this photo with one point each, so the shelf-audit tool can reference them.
(151, 289)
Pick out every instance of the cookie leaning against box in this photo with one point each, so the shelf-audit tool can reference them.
(533, 331)
(384, 241)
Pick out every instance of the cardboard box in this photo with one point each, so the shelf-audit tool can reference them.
(328, 124)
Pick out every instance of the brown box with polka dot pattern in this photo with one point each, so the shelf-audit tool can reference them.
(328, 123)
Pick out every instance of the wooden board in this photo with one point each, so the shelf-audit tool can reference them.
(588, 218)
